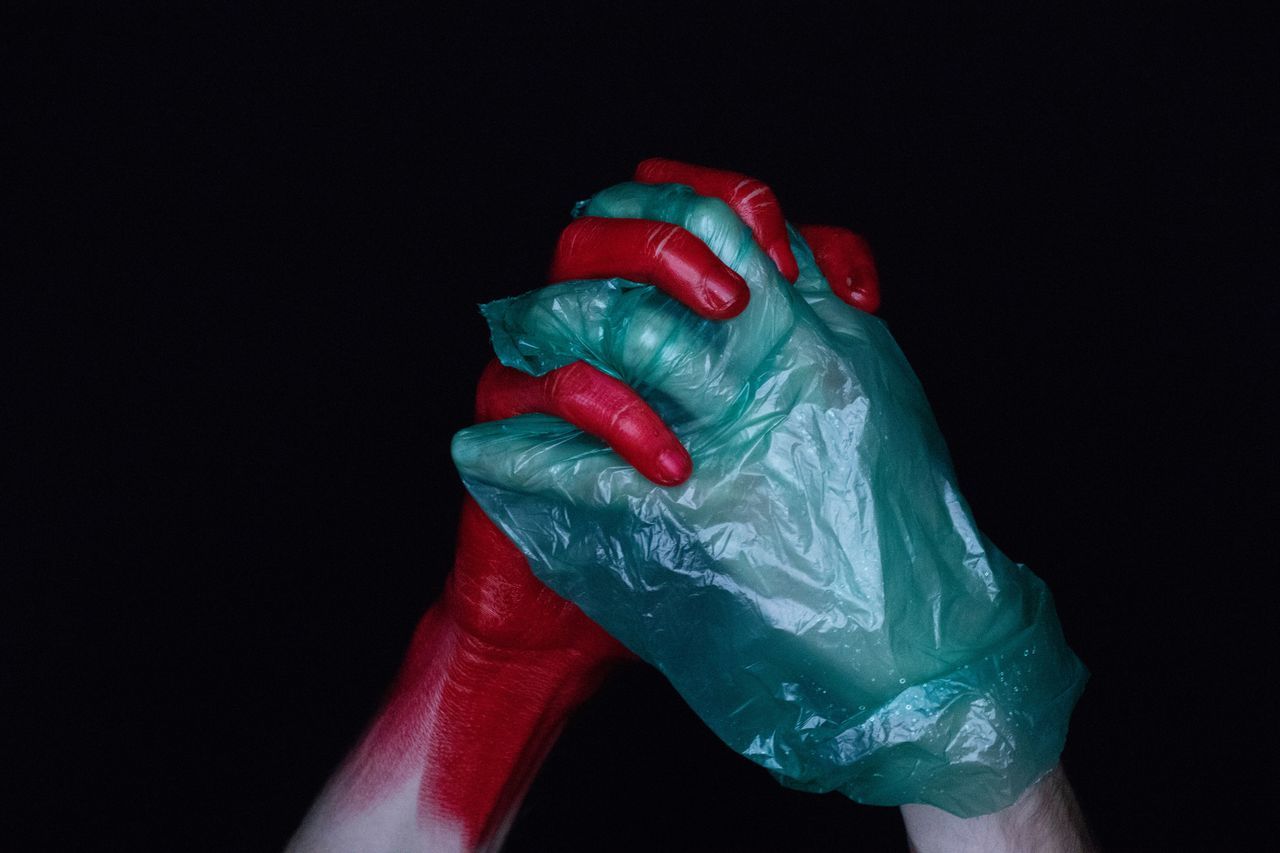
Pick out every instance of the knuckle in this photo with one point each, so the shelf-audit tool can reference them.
(652, 168)
(575, 233)
(571, 382)
(661, 236)
(752, 195)
(719, 227)
(709, 215)
(630, 417)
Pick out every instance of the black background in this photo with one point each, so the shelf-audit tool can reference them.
(270, 232)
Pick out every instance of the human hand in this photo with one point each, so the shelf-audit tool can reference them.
(817, 589)
(491, 589)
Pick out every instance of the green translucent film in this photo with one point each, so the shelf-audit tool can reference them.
(817, 590)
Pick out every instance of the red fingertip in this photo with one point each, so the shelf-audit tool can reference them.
(595, 403)
(610, 410)
(725, 295)
(845, 260)
(753, 201)
(674, 466)
(657, 253)
(866, 299)
(785, 260)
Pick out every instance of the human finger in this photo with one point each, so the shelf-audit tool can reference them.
(658, 253)
(751, 199)
(680, 362)
(752, 334)
(845, 260)
(594, 402)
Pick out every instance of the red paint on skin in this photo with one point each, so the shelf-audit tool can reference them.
(846, 262)
(658, 253)
(516, 703)
(491, 676)
(595, 403)
(493, 595)
(495, 670)
(752, 199)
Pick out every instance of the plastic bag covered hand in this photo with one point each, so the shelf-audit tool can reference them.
(817, 590)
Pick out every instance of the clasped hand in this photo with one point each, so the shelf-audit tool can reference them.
(808, 576)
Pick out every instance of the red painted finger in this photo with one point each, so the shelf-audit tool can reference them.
(657, 253)
(750, 198)
(594, 402)
(845, 261)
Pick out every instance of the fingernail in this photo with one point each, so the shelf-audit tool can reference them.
(726, 295)
(674, 465)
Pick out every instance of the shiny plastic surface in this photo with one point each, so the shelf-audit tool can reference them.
(817, 590)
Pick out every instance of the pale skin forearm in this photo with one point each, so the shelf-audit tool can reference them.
(1046, 818)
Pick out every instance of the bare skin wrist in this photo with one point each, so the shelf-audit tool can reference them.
(1045, 818)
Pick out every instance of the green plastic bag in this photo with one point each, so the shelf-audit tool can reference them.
(817, 590)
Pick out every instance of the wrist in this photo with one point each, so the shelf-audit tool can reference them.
(449, 756)
(448, 639)
(1046, 817)
(479, 716)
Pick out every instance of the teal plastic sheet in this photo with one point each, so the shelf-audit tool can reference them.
(817, 590)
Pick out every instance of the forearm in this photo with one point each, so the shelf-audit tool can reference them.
(446, 762)
(1046, 818)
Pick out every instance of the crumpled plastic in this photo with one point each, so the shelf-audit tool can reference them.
(817, 591)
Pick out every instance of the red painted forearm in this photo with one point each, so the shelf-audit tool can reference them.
(492, 674)
(449, 757)
(476, 717)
